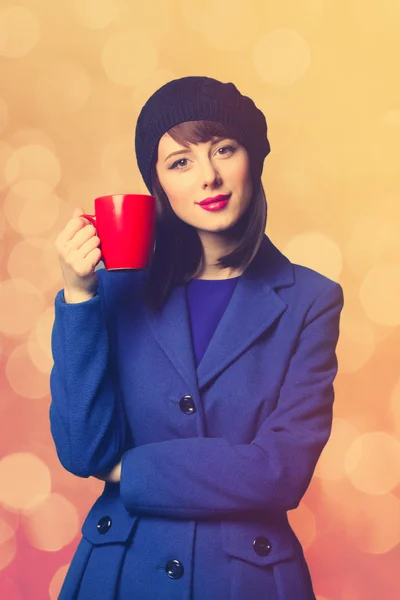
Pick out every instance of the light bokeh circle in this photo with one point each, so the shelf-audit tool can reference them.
(331, 464)
(6, 153)
(356, 343)
(32, 163)
(128, 57)
(32, 215)
(25, 481)
(62, 88)
(19, 31)
(375, 527)
(372, 462)
(380, 293)
(3, 114)
(20, 362)
(21, 304)
(96, 14)
(52, 524)
(56, 581)
(317, 251)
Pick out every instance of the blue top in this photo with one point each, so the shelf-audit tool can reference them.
(207, 300)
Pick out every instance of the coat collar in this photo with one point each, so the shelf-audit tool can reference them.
(253, 308)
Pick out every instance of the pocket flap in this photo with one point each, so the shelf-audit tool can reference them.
(108, 521)
(258, 542)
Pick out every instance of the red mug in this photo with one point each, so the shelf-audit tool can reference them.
(126, 225)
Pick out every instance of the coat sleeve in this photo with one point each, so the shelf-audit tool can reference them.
(195, 478)
(87, 420)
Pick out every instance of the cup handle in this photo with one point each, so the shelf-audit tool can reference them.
(92, 219)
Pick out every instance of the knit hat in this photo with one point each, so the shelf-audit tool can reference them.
(198, 98)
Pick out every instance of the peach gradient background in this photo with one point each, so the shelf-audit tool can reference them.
(73, 77)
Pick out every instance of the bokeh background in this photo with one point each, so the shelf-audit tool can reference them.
(73, 77)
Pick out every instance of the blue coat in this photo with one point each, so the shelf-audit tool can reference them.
(213, 457)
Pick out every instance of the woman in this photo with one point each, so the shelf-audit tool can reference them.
(201, 390)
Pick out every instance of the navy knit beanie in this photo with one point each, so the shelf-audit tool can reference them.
(198, 98)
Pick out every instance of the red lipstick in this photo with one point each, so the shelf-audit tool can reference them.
(215, 203)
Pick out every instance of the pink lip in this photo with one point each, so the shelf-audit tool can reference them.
(215, 199)
(215, 205)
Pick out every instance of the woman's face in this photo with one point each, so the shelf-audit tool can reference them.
(217, 167)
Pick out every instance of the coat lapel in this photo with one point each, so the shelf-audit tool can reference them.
(253, 308)
(171, 328)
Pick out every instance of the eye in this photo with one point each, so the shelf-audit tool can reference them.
(229, 147)
(178, 162)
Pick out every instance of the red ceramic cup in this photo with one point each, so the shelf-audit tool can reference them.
(126, 226)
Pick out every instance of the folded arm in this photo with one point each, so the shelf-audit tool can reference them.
(87, 419)
(194, 478)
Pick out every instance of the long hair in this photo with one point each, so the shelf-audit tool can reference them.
(178, 253)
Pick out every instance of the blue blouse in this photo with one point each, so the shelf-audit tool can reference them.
(207, 300)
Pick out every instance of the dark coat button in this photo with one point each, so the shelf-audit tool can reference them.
(262, 545)
(104, 524)
(186, 405)
(174, 569)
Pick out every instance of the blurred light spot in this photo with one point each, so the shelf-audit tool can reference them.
(8, 545)
(372, 462)
(303, 522)
(3, 114)
(37, 258)
(19, 363)
(96, 14)
(6, 153)
(315, 250)
(39, 344)
(31, 137)
(356, 342)
(56, 582)
(395, 406)
(52, 524)
(19, 31)
(31, 215)
(373, 224)
(281, 57)
(331, 461)
(62, 88)
(380, 293)
(117, 162)
(129, 57)
(240, 23)
(25, 481)
(20, 306)
(34, 164)
(392, 117)
(375, 527)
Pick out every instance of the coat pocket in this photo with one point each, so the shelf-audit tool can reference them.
(108, 521)
(258, 542)
(264, 561)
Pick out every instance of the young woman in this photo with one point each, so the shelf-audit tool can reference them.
(199, 390)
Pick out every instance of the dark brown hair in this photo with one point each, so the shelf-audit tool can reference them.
(178, 252)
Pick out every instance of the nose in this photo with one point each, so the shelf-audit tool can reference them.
(209, 174)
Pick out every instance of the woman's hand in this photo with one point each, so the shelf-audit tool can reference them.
(112, 476)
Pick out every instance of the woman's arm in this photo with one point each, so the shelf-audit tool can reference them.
(87, 420)
(196, 478)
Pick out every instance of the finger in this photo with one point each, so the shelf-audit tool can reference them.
(74, 225)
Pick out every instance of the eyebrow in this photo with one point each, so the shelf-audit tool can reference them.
(187, 151)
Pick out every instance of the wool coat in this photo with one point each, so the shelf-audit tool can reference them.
(213, 457)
